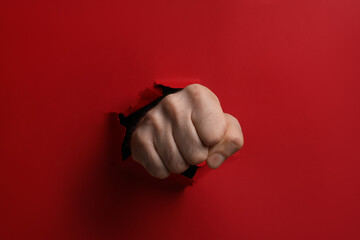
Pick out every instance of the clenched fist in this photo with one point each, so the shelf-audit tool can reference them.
(185, 128)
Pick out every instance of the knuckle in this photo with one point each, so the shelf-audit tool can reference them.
(178, 167)
(217, 138)
(153, 119)
(156, 170)
(199, 93)
(236, 138)
(173, 160)
(237, 141)
(137, 144)
(141, 137)
(150, 117)
(170, 105)
(161, 174)
(217, 135)
(194, 89)
(135, 137)
(197, 157)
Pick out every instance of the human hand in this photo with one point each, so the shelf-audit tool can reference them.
(185, 128)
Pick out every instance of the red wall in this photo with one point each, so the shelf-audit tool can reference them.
(288, 70)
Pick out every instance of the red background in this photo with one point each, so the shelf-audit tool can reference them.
(288, 70)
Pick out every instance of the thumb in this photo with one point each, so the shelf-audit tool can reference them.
(231, 143)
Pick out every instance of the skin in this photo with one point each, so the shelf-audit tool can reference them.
(185, 128)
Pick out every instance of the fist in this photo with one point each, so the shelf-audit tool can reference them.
(185, 128)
